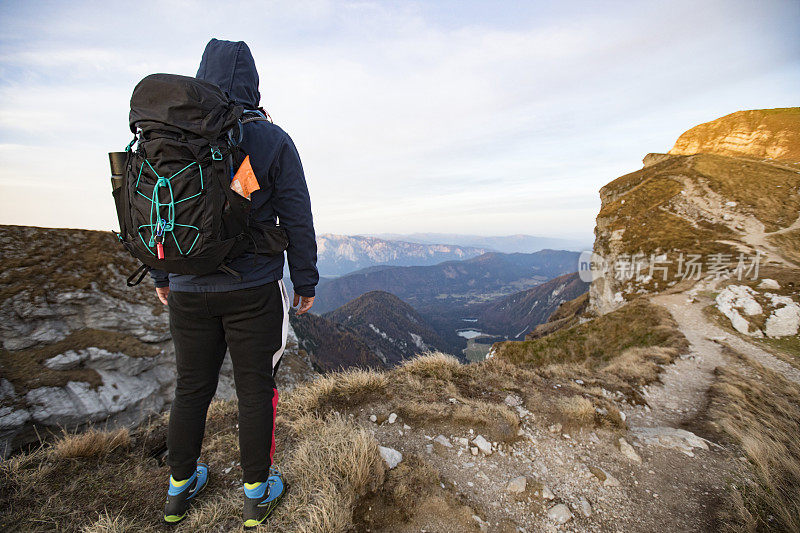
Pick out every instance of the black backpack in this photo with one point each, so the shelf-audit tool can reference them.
(176, 209)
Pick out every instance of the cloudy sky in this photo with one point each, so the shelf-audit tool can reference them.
(468, 117)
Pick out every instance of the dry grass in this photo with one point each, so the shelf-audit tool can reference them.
(106, 523)
(330, 464)
(576, 408)
(91, 443)
(437, 364)
(640, 365)
(435, 388)
(598, 344)
(334, 464)
(335, 388)
(760, 410)
(788, 243)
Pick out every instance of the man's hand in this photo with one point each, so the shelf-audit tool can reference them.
(305, 303)
(162, 293)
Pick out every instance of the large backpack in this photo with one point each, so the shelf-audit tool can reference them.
(176, 209)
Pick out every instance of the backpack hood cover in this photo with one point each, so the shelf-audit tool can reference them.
(184, 103)
(230, 66)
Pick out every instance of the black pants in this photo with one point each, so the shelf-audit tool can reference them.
(253, 324)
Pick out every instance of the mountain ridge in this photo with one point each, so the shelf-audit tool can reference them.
(389, 326)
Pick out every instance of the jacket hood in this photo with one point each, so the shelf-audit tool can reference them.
(230, 66)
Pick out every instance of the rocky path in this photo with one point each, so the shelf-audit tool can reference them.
(681, 394)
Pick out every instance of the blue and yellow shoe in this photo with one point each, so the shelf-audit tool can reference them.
(260, 499)
(181, 494)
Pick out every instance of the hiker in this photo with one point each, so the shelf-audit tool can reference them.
(247, 314)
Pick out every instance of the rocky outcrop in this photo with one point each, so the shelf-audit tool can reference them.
(756, 313)
(127, 391)
(78, 346)
(30, 319)
(763, 133)
(702, 209)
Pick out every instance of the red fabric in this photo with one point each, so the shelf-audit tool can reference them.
(274, 416)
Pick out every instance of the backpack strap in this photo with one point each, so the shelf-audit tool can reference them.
(255, 115)
(238, 205)
(141, 272)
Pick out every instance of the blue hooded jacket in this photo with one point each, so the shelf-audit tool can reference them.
(283, 191)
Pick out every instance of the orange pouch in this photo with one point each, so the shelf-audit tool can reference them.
(244, 182)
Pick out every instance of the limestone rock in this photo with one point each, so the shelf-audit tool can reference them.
(444, 441)
(560, 514)
(785, 319)
(6, 389)
(516, 485)
(482, 444)
(759, 133)
(768, 283)
(65, 361)
(585, 507)
(512, 401)
(391, 456)
(628, 451)
(604, 477)
(667, 437)
(735, 297)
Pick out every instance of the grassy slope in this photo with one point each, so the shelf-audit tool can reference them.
(760, 410)
(594, 344)
(641, 202)
(44, 260)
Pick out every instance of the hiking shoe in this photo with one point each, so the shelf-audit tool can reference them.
(181, 493)
(260, 499)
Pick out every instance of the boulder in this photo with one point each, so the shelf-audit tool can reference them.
(560, 514)
(391, 456)
(516, 485)
(482, 444)
(628, 451)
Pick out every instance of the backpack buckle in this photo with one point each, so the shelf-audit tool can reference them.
(216, 155)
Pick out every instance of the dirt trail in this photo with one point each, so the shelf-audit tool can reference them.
(681, 394)
(698, 201)
(682, 391)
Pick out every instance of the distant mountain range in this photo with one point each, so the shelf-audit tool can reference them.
(508, 244)
(340, 254)
(449, 283)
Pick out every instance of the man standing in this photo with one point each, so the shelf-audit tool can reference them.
(248, 315)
